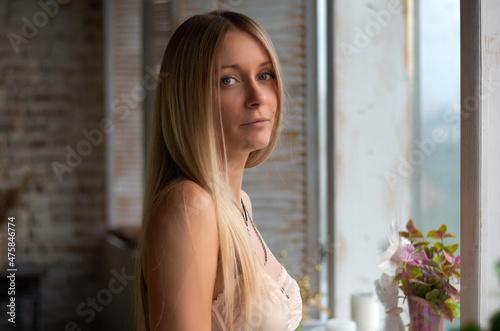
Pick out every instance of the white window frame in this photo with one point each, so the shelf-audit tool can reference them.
(480, 156)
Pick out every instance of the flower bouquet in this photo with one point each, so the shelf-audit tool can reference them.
(426, 272)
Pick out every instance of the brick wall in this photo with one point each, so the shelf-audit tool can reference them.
(51, 91)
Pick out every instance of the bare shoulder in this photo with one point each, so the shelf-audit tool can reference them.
(186, 210)
(192, 197)
(189, 202)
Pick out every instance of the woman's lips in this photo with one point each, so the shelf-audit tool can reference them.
(257, 123)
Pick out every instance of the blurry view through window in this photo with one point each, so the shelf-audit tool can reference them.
(436, 189)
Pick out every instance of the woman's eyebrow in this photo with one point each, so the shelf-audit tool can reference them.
(236, 66)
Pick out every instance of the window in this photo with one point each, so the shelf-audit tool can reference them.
(437, 180)
(374, 91)
(436, 183)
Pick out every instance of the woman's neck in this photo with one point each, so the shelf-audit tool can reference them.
(236, 168)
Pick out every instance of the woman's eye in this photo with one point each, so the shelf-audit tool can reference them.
(266, 76)
(227, 81)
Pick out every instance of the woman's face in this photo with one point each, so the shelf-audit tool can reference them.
(248, 93)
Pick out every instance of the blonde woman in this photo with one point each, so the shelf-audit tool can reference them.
(203, 264)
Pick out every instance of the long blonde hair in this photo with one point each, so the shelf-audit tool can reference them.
(186, 132)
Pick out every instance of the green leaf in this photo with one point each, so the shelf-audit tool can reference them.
(447, 270)
(424, 244)
(451, 249)
(446, 312)
(437, 234)
(434, 294)
(429, 251)
(438, 246)
(404, 234)
(453, 306)
(413, 231)
(421, 290)
(440, 233)
(410, 273)
(432, 263)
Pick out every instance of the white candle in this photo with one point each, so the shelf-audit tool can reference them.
(340, 325)
(365, 312)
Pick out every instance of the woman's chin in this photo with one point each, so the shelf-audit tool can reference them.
(256, 145)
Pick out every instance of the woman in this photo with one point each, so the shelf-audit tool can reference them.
(202, 263)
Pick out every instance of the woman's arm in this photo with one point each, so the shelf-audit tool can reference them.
(180, 260)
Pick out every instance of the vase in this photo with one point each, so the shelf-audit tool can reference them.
(423, 317)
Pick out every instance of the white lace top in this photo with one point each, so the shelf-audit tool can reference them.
(280, 310)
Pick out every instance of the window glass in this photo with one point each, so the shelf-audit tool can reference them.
(437, 180)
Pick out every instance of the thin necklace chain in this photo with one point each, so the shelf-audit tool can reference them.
(245, 217)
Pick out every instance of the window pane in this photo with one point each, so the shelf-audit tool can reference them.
(437, 180)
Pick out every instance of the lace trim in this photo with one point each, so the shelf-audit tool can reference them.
(288, 290)
(293, 301)
(288, 286)
(285, 287)
(218, 305)
(282, 273)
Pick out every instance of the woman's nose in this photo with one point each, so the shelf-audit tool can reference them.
(255, 94)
